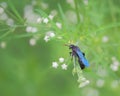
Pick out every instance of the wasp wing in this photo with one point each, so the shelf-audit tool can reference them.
(82, 58)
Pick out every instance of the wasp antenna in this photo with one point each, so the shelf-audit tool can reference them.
(66, 44)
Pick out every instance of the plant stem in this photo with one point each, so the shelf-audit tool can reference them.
(77, 11)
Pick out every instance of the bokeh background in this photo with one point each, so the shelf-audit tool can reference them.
(26, 57)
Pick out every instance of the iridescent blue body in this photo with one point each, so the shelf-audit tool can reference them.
(76, 52)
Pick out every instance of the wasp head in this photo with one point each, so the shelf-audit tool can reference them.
(71, 46)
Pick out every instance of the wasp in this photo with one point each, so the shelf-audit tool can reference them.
(77, 53)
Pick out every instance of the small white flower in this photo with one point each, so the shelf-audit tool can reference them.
(59, 25)
(46, 38)
(59, 37)
(1, 10)
(64, 66)
(10, 22)
(51, 17)
(28, 29)
(61, 59)
(3, 4)
(82, 84)
(105, 39)
(83, 79)
(54, 64)
(4, 16)
(87, 82)
(32, 41)
(39, 20)
(3, 44)
(100, 83)
(114, 67)
(31, 29)
(51, 34)
(34, 30)
(85, 2)
(116, 63)
(45, 20)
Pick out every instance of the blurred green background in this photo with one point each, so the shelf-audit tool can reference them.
(26, 69)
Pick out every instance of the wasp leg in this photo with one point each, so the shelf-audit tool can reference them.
(83, 53)
(74, 61)
(71, 54)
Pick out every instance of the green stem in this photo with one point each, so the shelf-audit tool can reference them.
(4, 35)
(77, 10)
(111, 6)
(74, 62)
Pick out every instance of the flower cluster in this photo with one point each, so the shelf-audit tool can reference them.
(115, 64)
(49, 35)
(32, 17)
(33, 40)
(38, 20)
(81, 79)
(31, 29)
(45, 20)
(56, 64)
(59, 25)
(4, 16)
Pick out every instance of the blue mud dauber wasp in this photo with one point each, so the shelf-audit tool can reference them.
(79, 55)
